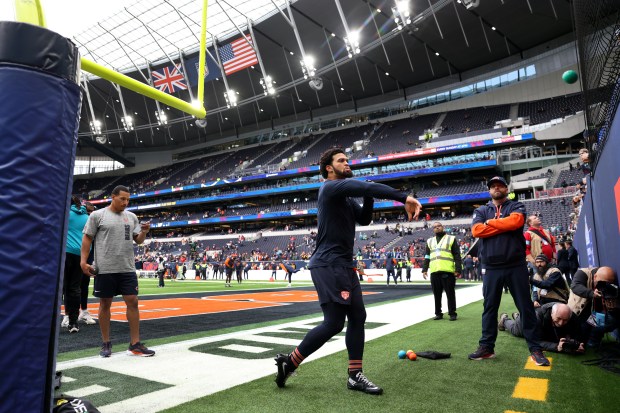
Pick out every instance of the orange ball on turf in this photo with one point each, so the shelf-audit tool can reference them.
(412, 356)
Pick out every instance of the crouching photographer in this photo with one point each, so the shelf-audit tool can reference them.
(557, 327)
(594, 299)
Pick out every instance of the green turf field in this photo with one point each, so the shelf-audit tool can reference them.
(451, 385)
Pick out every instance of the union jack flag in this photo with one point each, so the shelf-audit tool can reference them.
(168, 78)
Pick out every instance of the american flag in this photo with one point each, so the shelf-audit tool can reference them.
(237, 55)
(168, 78)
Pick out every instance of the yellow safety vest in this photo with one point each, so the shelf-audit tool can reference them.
(441, 254)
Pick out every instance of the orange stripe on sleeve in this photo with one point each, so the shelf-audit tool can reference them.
(480, 230)
(510, 223)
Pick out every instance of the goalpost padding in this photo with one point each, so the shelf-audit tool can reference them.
(39, 118)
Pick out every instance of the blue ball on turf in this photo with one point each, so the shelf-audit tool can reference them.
(402, 354)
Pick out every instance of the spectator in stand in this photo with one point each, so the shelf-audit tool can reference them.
(538, 241)
(573, 259)
(562, 262)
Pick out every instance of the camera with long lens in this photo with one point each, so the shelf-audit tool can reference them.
(607, 290)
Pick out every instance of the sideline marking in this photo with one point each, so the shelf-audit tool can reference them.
(249, 349)
(531, 389)
(157, 309)
(89, 390)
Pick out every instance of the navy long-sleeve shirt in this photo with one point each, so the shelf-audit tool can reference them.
(337, 215)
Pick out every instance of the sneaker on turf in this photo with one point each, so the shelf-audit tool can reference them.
(482, 353)
(86, 317)
(500, 325)
(106, 349)
(539, 358)
(65, 322)
(361, 383)
(140, 349)
(285, 370)
(73, 328)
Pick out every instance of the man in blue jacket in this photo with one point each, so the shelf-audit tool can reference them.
(499, 225)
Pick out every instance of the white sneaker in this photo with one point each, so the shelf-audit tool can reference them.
(86, 317)
(289, 284)
(65, 322)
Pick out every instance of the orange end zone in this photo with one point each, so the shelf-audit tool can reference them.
(178, 307)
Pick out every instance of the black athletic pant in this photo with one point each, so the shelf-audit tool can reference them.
(84, 291)
(440, 282)
(390, 273)
(72, 286)
(517, 279)
(333, 322)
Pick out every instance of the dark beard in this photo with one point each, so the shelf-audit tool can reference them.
(541, 270)
(499, 195)
(342, 175)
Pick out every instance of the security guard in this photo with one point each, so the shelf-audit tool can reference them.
(444, 259)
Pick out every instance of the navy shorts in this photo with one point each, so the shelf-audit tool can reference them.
(113, 284)
(336, 284)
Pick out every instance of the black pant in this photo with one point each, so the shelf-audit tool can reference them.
(333, 322)
(72, 286)
(84, 291)
(517, 279)
(160, 274)
(440, 282)
(390, 273)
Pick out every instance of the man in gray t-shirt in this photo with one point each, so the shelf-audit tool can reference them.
(115, 231)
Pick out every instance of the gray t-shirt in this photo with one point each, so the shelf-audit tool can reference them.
(113, 233)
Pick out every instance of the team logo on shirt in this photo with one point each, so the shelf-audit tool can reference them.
(345, 295)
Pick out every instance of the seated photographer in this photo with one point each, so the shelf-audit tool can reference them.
(558, 328)
(551, 287)
(594, 299)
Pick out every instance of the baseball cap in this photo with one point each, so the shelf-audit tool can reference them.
(496, 179)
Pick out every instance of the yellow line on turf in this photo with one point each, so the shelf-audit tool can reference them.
(531, 389)
(511, 411)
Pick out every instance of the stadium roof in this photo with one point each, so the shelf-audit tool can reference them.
(443, 39)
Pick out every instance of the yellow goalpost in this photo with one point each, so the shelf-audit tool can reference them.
(30, 11)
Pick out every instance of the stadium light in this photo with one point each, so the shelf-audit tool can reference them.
(267, 83)
(127, 122)
(231, 98)
(307, 67)
(95, 126)
(161, 117)
(352, 43)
